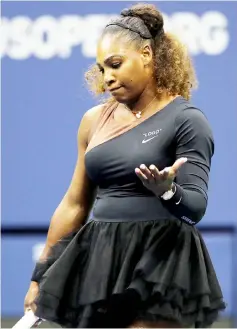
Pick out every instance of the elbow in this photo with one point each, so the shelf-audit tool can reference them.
(201, 206)
(197, 210)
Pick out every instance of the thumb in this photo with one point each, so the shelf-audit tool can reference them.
(178, 163)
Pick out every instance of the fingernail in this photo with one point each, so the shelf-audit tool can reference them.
(152, 167)
(185, 159)
(142, 166)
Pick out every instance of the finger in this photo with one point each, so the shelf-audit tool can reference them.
(141, 175)
(178, 163)
(147, 172)
(155, 172)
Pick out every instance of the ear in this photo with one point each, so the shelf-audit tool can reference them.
(146, 54)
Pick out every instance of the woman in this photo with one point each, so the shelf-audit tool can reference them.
(146, 155)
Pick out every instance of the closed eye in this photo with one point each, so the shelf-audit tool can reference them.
(114, 65)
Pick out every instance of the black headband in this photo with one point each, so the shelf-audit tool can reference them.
(142, 35)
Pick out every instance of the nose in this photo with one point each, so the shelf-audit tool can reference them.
(109, 78)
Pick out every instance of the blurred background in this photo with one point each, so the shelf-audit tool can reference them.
(45, 49)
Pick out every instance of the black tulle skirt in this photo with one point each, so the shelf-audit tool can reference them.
(111, 274)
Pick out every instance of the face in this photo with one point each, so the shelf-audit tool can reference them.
(126, 70)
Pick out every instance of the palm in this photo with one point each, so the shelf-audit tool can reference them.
(159, 181)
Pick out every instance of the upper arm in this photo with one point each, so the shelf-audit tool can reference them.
(81, 190)
(194, 140)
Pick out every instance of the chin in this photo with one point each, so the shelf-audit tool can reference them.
(121, 99)
(124, 99)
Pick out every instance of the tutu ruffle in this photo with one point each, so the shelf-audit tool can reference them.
(109, 274)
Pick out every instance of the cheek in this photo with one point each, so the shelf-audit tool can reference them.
(135, 75)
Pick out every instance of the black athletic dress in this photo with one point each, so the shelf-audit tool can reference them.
(138, 257)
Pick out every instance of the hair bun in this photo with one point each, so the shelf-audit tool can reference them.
(151, 17)
(127, 13)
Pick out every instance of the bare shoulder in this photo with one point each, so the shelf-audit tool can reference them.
(89, 119)
(94, 113)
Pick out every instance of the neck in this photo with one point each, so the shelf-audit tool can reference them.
(150, 97)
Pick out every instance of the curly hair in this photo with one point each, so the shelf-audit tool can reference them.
(174, 70)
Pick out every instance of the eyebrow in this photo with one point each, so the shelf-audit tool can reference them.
(108, 59)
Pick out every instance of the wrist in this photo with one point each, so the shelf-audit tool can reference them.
(39, 270)
(169, 193)
(34, 283)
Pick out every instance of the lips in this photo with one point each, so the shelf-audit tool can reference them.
(114, 89)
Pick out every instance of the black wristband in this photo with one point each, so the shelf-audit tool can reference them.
(39, 270)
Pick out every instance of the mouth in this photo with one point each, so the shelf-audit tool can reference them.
(114, 89)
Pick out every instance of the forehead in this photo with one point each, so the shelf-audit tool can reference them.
(110, 45)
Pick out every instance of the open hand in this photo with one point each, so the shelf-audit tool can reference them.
(159, 181)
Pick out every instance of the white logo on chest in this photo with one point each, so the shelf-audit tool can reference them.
(151, 135)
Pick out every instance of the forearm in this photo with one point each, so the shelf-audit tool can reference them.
(67, 218)
(187, 205)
